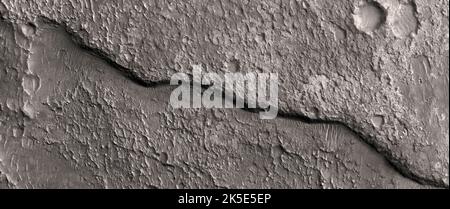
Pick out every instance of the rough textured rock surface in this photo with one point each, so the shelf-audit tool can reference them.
(363, 94)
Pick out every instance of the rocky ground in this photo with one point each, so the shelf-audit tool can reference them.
(84, 92)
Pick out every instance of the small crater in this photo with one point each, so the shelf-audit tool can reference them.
(339, 33)
(403, 21)
(163, 157)
(28, 110)
(30, 84)
(11, 104)
(28, 29)
(277, 152)
(377, 121)
(260, 38)
(17, 132)
(369, 16)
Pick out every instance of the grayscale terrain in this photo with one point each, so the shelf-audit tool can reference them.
(84, 94)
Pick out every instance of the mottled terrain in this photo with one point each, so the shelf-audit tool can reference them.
(363, 94)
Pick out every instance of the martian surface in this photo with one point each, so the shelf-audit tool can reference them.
(363, 94)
